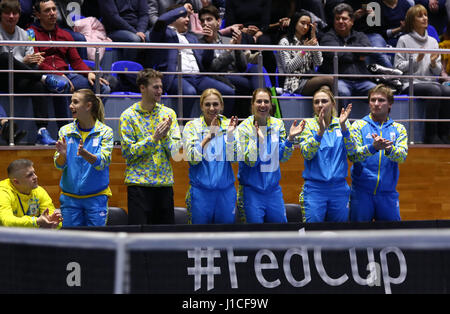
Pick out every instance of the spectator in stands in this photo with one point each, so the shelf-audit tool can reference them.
(349, 62)
(262, 145)
(23, 203)
(24, 59)
(254, 15)
(126, 21)
(68, 12)
(156, 8)
(231, 61)
(150, 134)
(172, 27)
(314, 6)
(393, 21)
(26, 15)
(59, 58)
(380, 145)
(210, 146)
(424, 64)
(83, 154)
(437, 13)
(362, 14)
(324, 145)
(302, 31)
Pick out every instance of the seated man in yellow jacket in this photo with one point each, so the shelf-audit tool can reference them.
(22, 202)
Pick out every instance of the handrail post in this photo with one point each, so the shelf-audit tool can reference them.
(97, 68)
(411, 101)
(335, 71)
(180, 86)
(11, 97)
(260, 70)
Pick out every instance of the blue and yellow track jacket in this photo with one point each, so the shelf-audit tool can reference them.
(148, 163)
(375, 171)
(259, 163)
(210, 167)
(325, 156)
(79, 176)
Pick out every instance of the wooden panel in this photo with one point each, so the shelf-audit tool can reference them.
(424, 182)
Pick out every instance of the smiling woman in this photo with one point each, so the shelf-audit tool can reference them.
(262, 145)
(210, 146)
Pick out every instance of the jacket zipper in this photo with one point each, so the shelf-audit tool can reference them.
(379, 162)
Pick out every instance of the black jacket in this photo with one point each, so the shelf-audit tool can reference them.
(349, 62)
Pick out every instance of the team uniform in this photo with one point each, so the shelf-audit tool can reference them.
(375, 173)
(260, 198)
(22, 210)
(325, 192)
(85, 187)
(211, 196)
(148, 173)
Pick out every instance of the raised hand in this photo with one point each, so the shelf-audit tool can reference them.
(345, 113)
(61, 146)
(162, 129)
(323, 125)
(233, 124)
(295, 130)
(259, 132)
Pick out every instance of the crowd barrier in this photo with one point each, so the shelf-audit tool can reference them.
(406, 109)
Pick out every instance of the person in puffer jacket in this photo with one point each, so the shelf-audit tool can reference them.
(381, 144)
(83, 153)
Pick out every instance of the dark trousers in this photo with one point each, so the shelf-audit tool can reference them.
(150, 205)
(25, 83)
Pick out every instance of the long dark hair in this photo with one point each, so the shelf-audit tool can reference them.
(293, 24)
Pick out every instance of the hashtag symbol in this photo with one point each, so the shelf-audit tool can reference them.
(198, 270)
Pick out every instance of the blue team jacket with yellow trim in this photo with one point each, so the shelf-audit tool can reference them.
(375, 171)
(259, 165)
(80, 177)
(325, 156)
(210, 167)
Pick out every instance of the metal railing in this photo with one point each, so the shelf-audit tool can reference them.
(179, 73)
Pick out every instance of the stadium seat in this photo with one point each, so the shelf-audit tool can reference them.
(125, 65)
(293, 213)
(89, 63)
(181, 216)
(267, 81)
(116, 216)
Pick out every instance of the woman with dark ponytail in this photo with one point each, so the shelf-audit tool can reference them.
(83, 153)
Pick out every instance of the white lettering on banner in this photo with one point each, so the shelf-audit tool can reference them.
(265, 260)
(259, 266)
(209, 270)
(232, 260)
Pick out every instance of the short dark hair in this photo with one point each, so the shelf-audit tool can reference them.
(210, 9)
(18, 165)
(37, 4)
(10, 6)
(144, 76)
(341, 8)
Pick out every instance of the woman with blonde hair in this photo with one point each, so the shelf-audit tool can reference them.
(210, 147)
(324, 144)
(83, 153)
